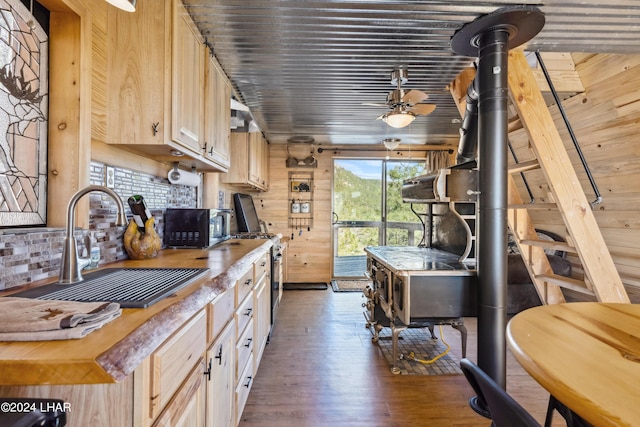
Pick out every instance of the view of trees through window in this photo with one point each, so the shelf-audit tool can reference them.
(358, 188)
(403, 226)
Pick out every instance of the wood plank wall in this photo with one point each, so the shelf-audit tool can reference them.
(606, 121)
(309, 256)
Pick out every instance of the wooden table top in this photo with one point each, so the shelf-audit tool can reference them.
(113, 352)
(586, 354)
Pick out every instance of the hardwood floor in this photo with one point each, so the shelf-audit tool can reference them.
(321, 369)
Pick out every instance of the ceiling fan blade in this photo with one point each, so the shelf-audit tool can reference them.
(373, 104)
(414, 96)
(422, 109)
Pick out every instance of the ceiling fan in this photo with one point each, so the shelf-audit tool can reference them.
(404, 104)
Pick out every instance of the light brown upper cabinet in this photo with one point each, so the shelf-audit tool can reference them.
(249, 161)
(187, 86)
(157, 94)
(217, 118)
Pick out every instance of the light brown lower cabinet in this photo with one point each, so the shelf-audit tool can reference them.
(245, 381)
(220, 386)
(186, 408)
(174, 360)
(262, 303)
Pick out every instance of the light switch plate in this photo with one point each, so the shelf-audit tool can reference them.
(110, 177)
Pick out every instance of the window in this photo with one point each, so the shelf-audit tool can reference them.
(23, 116)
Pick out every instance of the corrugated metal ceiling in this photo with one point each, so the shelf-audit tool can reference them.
(305, 67)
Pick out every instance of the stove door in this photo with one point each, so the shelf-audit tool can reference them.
(381, 278)
(401, 303)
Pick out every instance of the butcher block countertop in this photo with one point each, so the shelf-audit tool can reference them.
(113, 352)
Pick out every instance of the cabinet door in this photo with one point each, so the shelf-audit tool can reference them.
(256, 156)
(187, 89)
(138, 78)
(187, 408)
(264, 163)
(239, 153)
(221, 386)
(217, 114)
(262, 320)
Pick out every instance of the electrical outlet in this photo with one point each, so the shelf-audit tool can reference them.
(221, 199)
(110, 177)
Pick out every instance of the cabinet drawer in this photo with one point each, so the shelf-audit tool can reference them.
(244, 286)
(244, 314)
(243, 388)
(173, 361)
(244, 348)
(220, 311)
(262, 266)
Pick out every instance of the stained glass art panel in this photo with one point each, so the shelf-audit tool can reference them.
(23, 117)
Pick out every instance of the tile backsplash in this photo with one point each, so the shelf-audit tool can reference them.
(31, 254)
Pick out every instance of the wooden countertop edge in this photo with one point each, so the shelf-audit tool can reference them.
(122, 359)
(124, 356)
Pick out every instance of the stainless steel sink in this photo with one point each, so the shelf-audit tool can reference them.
(130, 287)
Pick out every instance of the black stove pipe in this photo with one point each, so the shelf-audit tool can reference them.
(467, 147)
(492, 144)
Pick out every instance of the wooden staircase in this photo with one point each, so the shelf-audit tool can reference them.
(600, 279)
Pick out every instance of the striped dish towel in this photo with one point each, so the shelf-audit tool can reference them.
(25, 319)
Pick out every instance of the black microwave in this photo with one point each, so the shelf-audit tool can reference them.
(196, 228)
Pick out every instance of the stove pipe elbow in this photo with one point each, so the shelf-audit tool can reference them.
(468, 145)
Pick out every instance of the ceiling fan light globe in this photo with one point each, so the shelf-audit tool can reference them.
(399, 120)
(391, 143)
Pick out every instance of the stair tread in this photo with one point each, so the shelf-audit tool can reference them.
(514, 124)
(538, 206)
(566, 282)
(524, 166)
(549, 244)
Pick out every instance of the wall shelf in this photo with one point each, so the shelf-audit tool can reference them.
(300, 202)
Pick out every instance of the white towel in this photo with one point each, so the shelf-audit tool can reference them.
(25, 319)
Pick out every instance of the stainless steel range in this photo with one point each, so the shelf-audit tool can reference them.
(276, 266)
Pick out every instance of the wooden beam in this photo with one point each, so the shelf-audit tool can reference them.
(68, 157)
(562, 71)
(458, 88)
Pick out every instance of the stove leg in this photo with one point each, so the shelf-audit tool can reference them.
(463, 336)
(395, 334)
(376, 332)
(432, 331)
